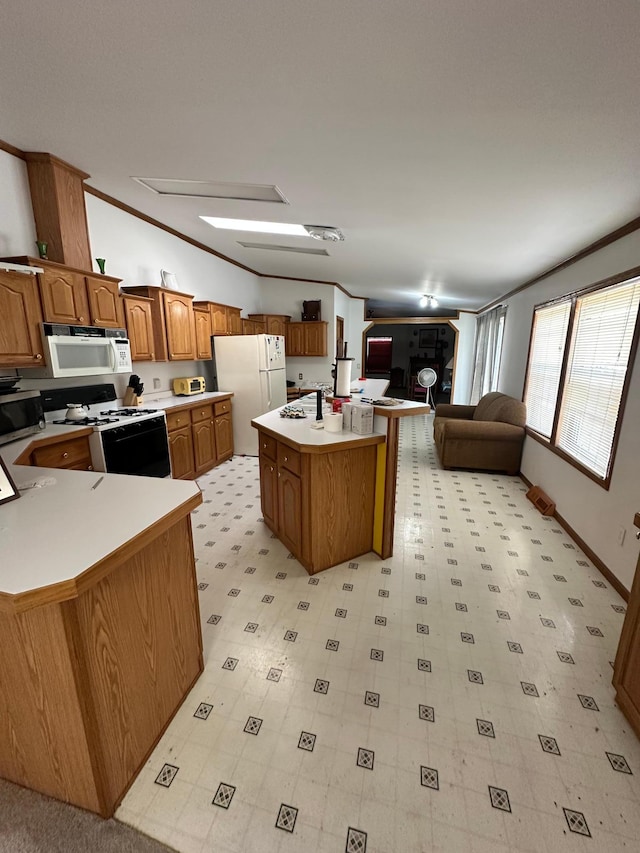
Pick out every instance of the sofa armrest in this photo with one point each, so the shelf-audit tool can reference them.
(454, 410)
(482, 431)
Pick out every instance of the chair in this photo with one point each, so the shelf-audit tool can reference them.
(417, 391)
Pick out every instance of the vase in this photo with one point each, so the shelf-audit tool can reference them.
(42, 249)
(101, 262)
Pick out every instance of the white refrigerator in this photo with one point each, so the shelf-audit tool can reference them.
(253, 367)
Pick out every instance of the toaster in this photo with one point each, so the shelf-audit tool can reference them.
(186, 385)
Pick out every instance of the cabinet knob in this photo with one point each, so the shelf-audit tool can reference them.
(89, 467)
(65, 455)
(286, 458)
(638, 535)
(278, 473)
(38, 356)
(81, 319)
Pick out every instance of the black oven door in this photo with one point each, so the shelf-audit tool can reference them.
(139, 447)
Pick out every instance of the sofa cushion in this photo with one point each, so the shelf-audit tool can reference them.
(496, 406)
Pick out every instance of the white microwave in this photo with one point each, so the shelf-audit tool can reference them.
(83, 351)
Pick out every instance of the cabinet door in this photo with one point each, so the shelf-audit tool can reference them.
(178, 312)
(259, 328)
(276, 326)
(315, 339)
(295, 339)
(139, 323)
(224, 438)
(20, 318)
(248, 327)
(290, 510)
(181, 450)
(104, 303)
(203, 333)
(269, 491)
(218, 319)
(204, 447)
(234, 321)
(64, 297)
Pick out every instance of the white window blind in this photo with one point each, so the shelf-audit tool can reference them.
(545, 363)
(602, 336)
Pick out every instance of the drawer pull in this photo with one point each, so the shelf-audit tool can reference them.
(38, 356)
(65, 455)
(286, 458)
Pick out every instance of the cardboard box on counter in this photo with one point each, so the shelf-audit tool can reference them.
(361, 418)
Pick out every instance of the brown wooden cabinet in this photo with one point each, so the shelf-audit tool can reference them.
(309, 498)
(626, 671)
(139, 324)
(234, 321)
(20, 319)
(61, 451)
(76, 297)
(223, 427)
(218, 319)
(172, 322)
(307, 339)
(105, 304)
(181, 451)
(274, 324)
(202, 325)
(200, 437)
(248, 327)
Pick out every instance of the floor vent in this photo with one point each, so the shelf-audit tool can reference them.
(541, 501)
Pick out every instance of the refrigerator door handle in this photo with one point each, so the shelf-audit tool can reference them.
(269, 392)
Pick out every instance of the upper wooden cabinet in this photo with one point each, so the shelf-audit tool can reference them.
(225, 319)
(57, 198)
(202, 320)
(234, 321)
(274, 324)
(74, 297)
(20, 319)
(172, 322)
(105, 305)
(139, 324)
(307, 339)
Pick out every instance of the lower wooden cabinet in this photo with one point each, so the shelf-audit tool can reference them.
(61, 452)
(626, 671)
(181, 450)
(319, 504)
(200, 437)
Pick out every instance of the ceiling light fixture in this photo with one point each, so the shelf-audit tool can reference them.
(289, 228)
(430, 301)
(325, 232)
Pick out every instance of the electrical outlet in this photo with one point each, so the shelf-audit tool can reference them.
(156, 384)
(622, 532)
(299, 376)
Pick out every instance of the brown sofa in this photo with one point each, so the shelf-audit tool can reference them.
(488, 436)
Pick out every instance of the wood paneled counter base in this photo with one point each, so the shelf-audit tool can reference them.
(93, 669)
(330, 497)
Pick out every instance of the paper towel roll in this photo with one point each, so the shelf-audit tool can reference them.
(332, 422)
(343, 377)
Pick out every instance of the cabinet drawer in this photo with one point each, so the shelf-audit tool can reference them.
(177, 420)
(64, 454)
(222, 408)
(288, 458)
(201, 413)
(268, 446)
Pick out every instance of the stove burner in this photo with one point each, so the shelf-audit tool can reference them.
(87, 421)
(129, 413)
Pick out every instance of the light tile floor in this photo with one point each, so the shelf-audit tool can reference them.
(456, 697)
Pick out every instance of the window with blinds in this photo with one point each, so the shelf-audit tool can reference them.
(581, 391)
(601, 342)
(545, 365)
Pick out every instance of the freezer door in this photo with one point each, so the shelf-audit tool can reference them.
(271, 352)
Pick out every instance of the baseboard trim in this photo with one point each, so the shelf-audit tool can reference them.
(604, 570)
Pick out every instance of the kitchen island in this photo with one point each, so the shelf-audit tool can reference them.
(99, 626)
(330, 497)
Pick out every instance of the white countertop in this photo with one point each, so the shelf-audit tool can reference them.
(59, 529)
(172, 401)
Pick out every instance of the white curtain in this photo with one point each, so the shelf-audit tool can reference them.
(486, 367)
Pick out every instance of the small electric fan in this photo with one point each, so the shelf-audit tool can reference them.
(427, 378)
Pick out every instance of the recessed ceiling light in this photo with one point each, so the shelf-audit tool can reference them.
(431, 301)
(261, 227)
(213, 189)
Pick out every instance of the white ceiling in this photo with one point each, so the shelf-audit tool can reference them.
(461, 146)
